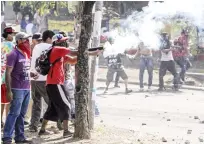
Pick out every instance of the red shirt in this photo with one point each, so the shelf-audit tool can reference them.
(57, 70)
(184, 44)
(177, 53)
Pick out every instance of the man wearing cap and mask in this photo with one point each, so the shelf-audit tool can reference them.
(18, 88)
(6, 47)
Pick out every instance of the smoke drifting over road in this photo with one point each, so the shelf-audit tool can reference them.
(146, 25)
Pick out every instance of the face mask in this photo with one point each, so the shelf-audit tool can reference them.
(25, 47)
(26, 18)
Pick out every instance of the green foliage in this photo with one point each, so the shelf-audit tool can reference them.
(66, 26)
(43, 6)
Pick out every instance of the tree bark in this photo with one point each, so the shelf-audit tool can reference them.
(82, 69)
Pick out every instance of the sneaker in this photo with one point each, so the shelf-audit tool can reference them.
(116, 86)
(141, 89)
(181, 82)
(149, 88)
(43, 132)
(26, 123)
(161, 89)
(59, 125)
(33, 128)
(24, 141)
(127, 91)
(105, 91)
(175, 88)
(67, 134)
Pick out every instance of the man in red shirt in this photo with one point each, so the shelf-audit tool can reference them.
(181, 53)
(59, 106)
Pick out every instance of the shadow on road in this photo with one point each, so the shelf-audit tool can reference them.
(167, 92)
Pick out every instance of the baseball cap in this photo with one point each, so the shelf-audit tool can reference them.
(9, 30)
(21, 35)
(59, 38)
(37, 36)
(63, 33)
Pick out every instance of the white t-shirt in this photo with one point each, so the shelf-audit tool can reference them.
(166, 56)
(29, 29)
(37, 50)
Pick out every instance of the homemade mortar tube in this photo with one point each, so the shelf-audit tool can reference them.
(96, 48)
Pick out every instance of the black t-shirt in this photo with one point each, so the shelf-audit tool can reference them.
(115, 61)
(165, 44)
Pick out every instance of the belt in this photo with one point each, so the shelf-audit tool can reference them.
(145, 56)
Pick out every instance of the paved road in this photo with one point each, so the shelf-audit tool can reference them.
(159, 114)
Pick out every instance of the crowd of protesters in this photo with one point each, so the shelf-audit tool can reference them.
(53, 94)
(21, 81)
(171, 53)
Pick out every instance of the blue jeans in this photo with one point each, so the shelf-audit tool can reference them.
(184, 64)
(15, 118)
(146, 62)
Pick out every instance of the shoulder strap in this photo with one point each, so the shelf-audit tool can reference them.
(54, 64)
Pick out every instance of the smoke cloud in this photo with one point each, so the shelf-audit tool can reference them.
(146, 25)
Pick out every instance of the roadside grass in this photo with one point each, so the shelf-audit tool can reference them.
(66, 26)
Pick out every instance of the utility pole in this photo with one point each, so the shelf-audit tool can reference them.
(94, 61)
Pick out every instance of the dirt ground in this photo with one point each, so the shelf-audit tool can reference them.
(133, 76)
(140, 118)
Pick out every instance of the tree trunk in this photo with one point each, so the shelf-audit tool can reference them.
(82, 69)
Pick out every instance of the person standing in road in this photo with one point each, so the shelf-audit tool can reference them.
(181, 54)
(114, 60)
(59, 105)
(167, 62)
(6, 47)
(38, 85)
(18, 89)
(146, 61)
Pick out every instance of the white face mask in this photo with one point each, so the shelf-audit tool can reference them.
(2, 18)
(26, 18)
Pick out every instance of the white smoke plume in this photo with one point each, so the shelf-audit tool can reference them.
(146, 25)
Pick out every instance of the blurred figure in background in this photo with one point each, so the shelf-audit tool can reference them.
(146, 62)
(181, 54)
(167, 62)
(6, 47)
(69, 80)
(114, 61)
(25, 21)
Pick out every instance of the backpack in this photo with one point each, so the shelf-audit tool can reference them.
(42, 63)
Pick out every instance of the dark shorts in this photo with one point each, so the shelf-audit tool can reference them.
(112, 71)
(59, 103)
